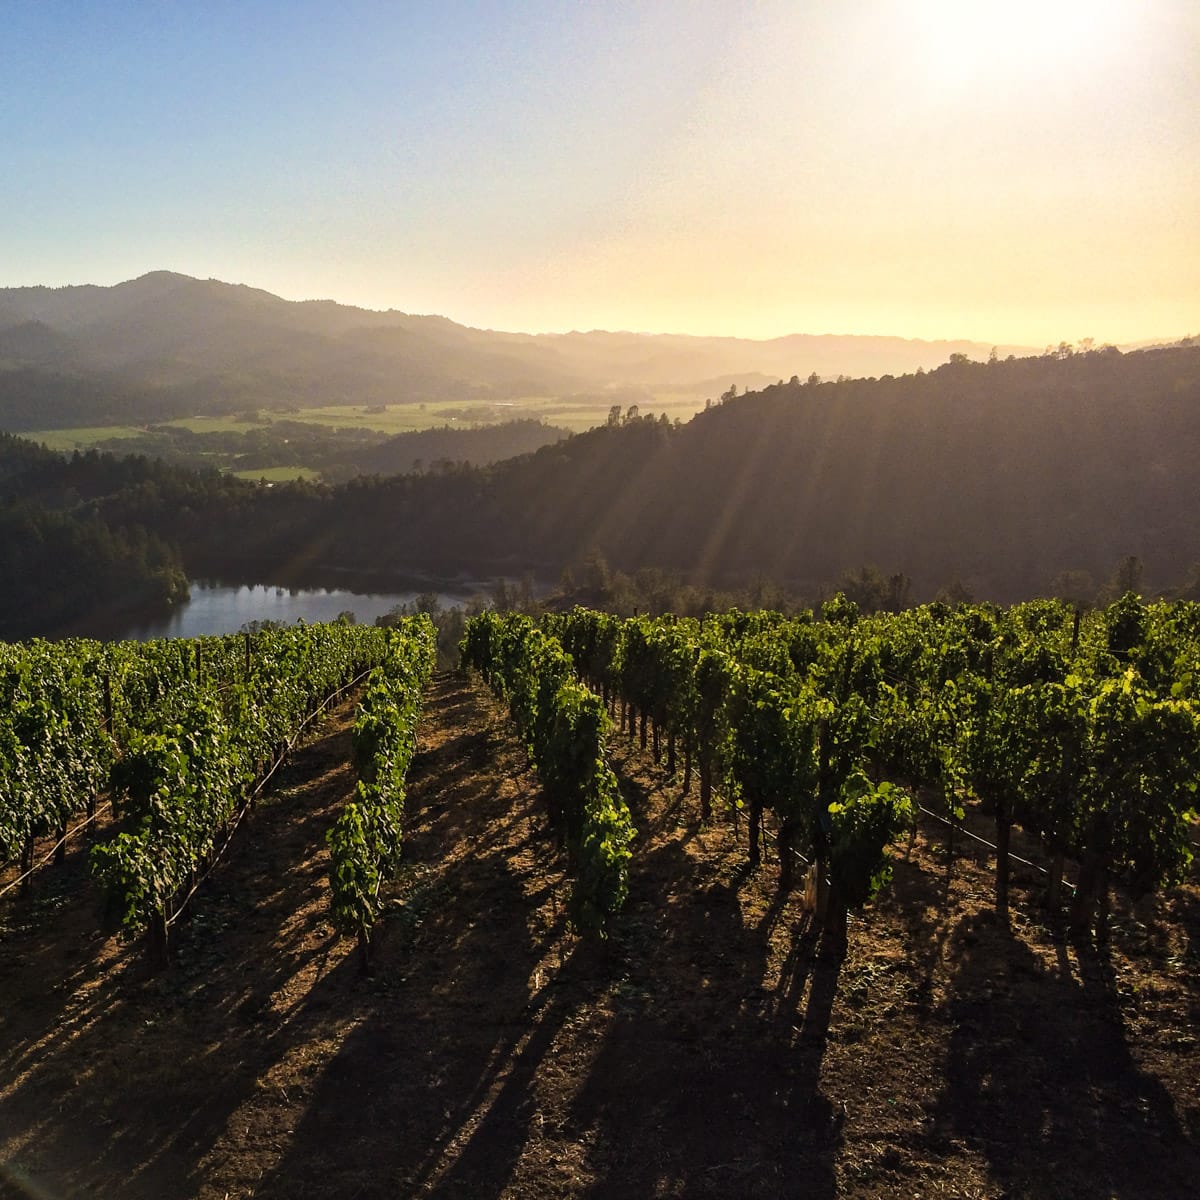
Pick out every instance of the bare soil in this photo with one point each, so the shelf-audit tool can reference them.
(708, 1049)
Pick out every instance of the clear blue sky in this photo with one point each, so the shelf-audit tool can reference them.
(1018, 172)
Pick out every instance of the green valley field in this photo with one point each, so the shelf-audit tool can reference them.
(383, 419)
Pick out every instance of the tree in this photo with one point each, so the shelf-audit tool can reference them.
(595, 573)
(956, 592)
(1127, 577)
(1075, 587)
(1190, 589)
(873, 591)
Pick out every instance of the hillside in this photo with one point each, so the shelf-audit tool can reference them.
(434, 449)
(708, 1050)
(1000, 475)
(166, 345)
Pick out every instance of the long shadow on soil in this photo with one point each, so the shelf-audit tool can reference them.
(50, 934)
(707, 1083)
(430, 1091)
(110, 1101)
(485, 1064)
(1040, 1078)
(125, 1110)
(415, 1077)
(414, 1096)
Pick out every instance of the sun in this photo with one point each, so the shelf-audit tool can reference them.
(965, 42)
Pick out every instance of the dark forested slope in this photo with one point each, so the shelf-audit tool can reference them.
(1002, 474)
(1006, 473)
(437, 449)
(60, 559)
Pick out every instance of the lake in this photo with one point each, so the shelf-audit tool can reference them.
(217, 609)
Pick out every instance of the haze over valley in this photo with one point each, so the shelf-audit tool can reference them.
(167, 346)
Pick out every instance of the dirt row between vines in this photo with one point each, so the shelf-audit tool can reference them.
(706, 1050)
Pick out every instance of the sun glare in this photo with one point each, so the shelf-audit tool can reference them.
(966, 41)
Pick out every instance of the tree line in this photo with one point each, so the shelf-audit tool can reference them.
(997, 481)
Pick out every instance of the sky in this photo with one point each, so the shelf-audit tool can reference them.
(1021, 172)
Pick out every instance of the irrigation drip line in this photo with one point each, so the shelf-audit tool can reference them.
(258, 787)
(983, 841)
(768, 834)
(66, 837)
(975, 837)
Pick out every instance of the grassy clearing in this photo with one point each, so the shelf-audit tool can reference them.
(82, 438)
(224, 424)
(578, 417)
(278, 474)
(406, 418)
(395, 418)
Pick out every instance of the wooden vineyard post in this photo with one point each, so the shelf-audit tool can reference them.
(157, 940)
(108, 729)
(27, 865)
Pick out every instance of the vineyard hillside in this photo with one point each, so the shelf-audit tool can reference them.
(707, 1048)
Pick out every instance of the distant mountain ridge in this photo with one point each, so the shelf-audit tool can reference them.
(168, 345)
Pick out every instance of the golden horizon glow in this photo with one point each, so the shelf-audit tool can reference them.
(1017, 173)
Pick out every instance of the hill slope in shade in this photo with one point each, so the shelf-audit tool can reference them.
(1000, 475)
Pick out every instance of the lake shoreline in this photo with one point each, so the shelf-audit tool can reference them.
(217, 607)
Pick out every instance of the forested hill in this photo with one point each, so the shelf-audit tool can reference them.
(435, 449)
(60, 560)
(1002, 475)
